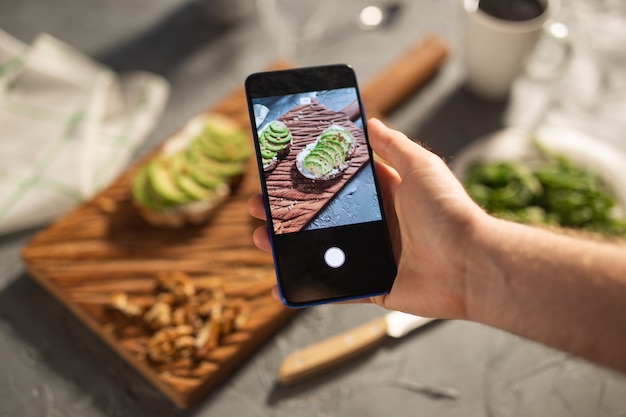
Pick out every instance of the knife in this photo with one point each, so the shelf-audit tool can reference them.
(326, 354)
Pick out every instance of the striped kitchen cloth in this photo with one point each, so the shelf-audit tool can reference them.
(68, 126)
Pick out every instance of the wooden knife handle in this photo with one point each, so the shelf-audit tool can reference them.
(320, 357)
(410, 71)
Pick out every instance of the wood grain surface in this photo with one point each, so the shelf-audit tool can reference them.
(104, 247)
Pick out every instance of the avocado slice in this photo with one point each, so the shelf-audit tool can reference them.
(317, 165)
(324, 154)
(138, 185)
(223, 131)
(276, 140)
(224, 151)
(224, 143)
(313, 166)
(332, 153)
(204, 177)
(161, 180)
(185, 182)
(337, 147)
(279, 128)
(266, 142)
(197, 169)
(337, 136)
(192, 188)
(143, 193)
(267, 154)
(200, 160)
(278, 133)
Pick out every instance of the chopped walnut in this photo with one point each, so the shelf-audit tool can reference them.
(119, 301)
(185, 322)
(185, 346)
(209, 334)
(177, 284)
(205, 309)
(186, 314)
(179, 316)
(166, 297)
(159, 315)
(204, 295)
(171, 343)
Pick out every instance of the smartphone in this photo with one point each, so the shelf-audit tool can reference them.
(325, 217)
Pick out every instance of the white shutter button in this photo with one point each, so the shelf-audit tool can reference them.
(334, 257)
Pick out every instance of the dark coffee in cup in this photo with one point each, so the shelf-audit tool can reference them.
(512, 10)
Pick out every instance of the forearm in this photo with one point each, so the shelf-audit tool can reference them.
(565, 292)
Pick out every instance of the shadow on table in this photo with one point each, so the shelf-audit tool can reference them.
(161, 49)
(67, 347)
(459, 119)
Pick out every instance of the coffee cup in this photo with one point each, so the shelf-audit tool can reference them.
(499, 38)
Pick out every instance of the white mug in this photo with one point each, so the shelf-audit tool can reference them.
(496, 50)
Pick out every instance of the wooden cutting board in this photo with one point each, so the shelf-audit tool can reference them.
(103, 247)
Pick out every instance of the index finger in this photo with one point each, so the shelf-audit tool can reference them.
(256, 208)
(394, 146)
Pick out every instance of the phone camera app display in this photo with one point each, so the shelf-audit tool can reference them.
(315, 160)
(326, 225)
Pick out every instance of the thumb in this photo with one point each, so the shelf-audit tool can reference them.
(393, 146)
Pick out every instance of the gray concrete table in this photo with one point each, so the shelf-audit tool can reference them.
(52, 365)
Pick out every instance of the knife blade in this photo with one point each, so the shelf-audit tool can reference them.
(328, 353)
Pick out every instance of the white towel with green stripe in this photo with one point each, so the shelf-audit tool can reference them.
(68, 127)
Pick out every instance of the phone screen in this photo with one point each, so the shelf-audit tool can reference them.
(325, 218)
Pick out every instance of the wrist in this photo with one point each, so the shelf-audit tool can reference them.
(484, 274)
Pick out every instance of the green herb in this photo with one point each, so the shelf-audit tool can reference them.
(556, 192)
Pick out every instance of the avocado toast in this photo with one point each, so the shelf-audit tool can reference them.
(274, 144)
(328, 156)
(194, 172)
